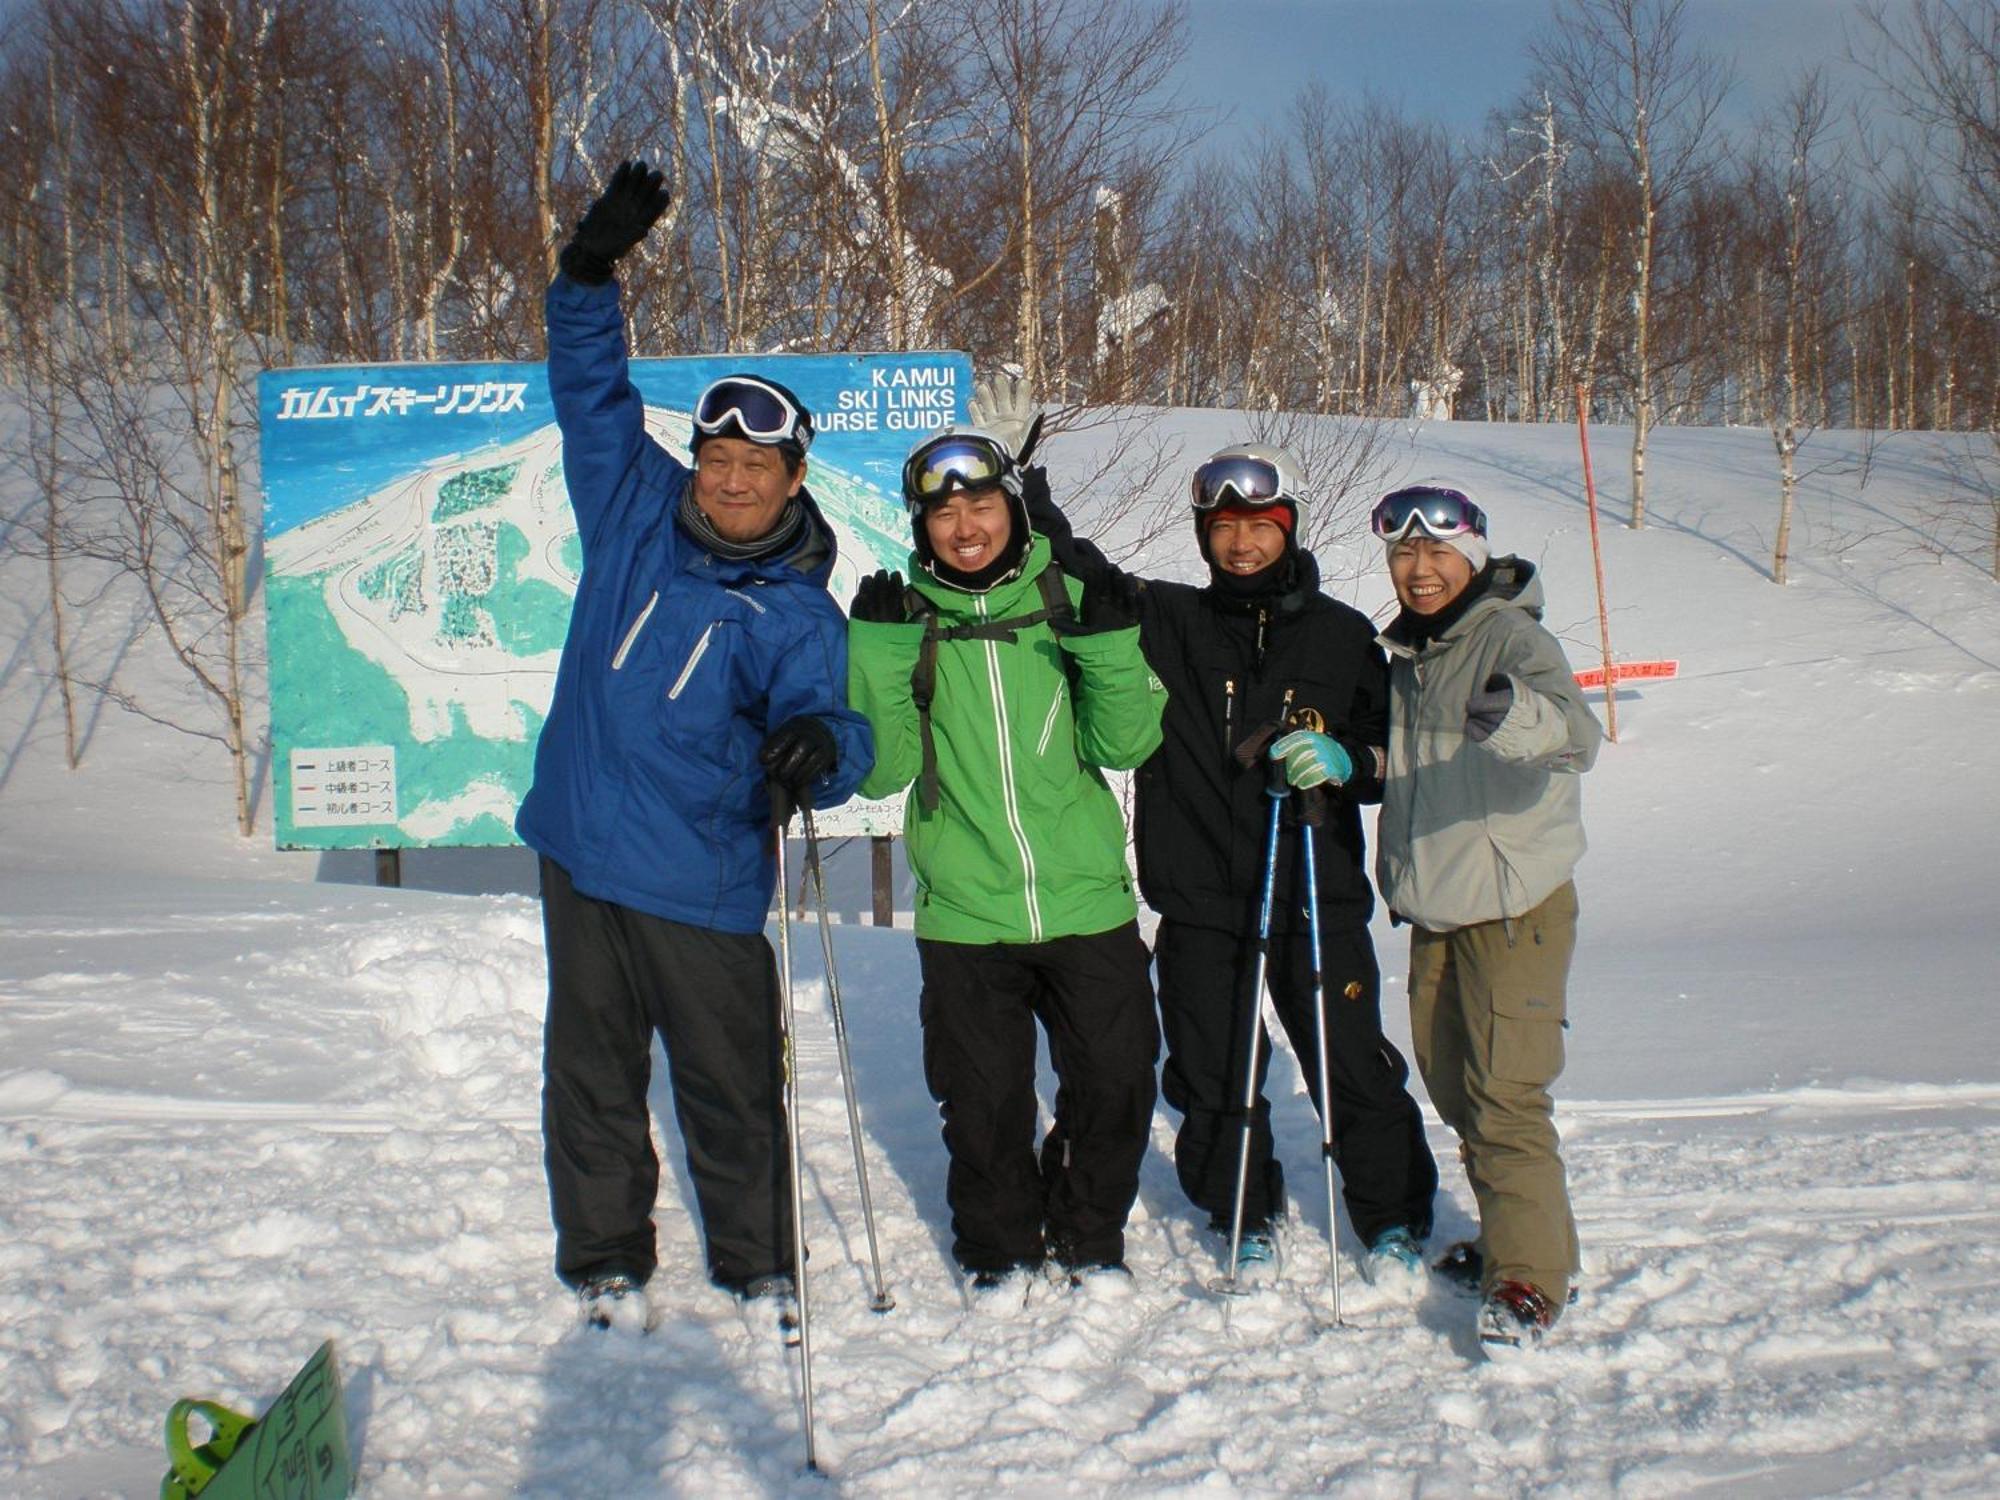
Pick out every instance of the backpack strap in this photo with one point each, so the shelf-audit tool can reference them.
(1056, 611)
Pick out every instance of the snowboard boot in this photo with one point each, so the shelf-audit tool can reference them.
(1513, 1319)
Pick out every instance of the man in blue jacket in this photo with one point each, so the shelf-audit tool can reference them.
(704, 657)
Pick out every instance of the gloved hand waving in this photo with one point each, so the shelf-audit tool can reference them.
(1110, 602)
(627, 209)
(879, 600)
(1004, 405)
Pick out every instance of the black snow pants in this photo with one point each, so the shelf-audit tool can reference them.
(979, 1008)
(615, 977)
(1387, 1173)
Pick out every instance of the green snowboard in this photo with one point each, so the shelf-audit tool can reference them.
(296, 1451)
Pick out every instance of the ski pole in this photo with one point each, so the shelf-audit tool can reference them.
(883, 1302)
(1277, 789)
(781, 814)
(1311, 812)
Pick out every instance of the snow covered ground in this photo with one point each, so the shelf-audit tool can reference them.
(248, 1101)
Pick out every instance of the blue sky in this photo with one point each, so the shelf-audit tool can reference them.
(1456, 59)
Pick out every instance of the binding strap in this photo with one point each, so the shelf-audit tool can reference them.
(1056, 610)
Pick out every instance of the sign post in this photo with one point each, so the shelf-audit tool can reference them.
(1597, 558)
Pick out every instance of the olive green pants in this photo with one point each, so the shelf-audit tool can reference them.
(1486, 1017)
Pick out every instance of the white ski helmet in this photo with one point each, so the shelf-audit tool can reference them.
(1249, 476)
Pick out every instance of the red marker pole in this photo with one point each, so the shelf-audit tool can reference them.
(1597, 557)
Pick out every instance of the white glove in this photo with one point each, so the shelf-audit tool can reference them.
(1004, 405)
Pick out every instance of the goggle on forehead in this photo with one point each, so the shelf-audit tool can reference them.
(1439, 512)
(755, 409)
(1238, 480)
(953, 461)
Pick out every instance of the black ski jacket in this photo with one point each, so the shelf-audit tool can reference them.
(1230, 666)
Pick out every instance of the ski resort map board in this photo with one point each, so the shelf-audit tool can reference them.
(421, 557)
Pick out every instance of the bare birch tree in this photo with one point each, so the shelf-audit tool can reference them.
(1640, 91)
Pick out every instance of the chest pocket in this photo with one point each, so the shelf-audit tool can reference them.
(706, 686)
(684, 671)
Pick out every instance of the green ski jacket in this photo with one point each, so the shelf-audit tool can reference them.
(1026, 842)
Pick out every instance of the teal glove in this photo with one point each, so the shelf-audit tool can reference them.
(1313, 759)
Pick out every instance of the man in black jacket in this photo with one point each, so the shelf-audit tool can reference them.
(1254, 653)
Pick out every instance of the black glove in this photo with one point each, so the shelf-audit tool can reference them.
(630, 205)
(1110, 602)
(1485, 709)
(798, 752)
(879, 600)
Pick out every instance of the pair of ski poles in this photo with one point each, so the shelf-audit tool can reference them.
(782, 803)
(1279, 791)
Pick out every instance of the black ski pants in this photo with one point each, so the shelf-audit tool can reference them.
(979, 1008)
(615, 977)
(1387, 1173)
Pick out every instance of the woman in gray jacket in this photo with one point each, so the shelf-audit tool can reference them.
(1481, 828)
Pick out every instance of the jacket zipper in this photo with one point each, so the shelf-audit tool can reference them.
(693, 661)
(1009, 799)
(625, 646)
(1228, 718)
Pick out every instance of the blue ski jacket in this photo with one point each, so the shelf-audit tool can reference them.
(677, 664)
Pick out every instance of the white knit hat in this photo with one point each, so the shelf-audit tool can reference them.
(1469, 545)
(1472, 547)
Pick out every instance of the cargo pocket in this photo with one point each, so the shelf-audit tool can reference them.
(1530, 997)
(1527, 1036)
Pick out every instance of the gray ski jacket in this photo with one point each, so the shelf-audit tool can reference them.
(1476, 831)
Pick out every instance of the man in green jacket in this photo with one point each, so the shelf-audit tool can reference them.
(1000, 689)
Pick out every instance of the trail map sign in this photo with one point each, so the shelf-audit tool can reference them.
(421, 558)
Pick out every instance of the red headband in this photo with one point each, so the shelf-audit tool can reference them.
(1280, 512)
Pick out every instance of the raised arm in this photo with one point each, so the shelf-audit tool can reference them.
(1004, 405)
(603, 421)
(1118, 699)
(883, 644)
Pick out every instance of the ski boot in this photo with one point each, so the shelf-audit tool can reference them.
(614, 1301)
(778, 1293)
(1394, 1262)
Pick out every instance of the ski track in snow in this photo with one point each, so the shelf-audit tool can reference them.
(1798, 1292)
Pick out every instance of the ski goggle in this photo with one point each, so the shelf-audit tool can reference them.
(1238, 480)
(1441, 513)
(953, 461)
(755, 409)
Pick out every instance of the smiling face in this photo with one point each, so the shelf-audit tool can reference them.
(742, 486)
(969, 528)
(1427, 574)
(1245, 544)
